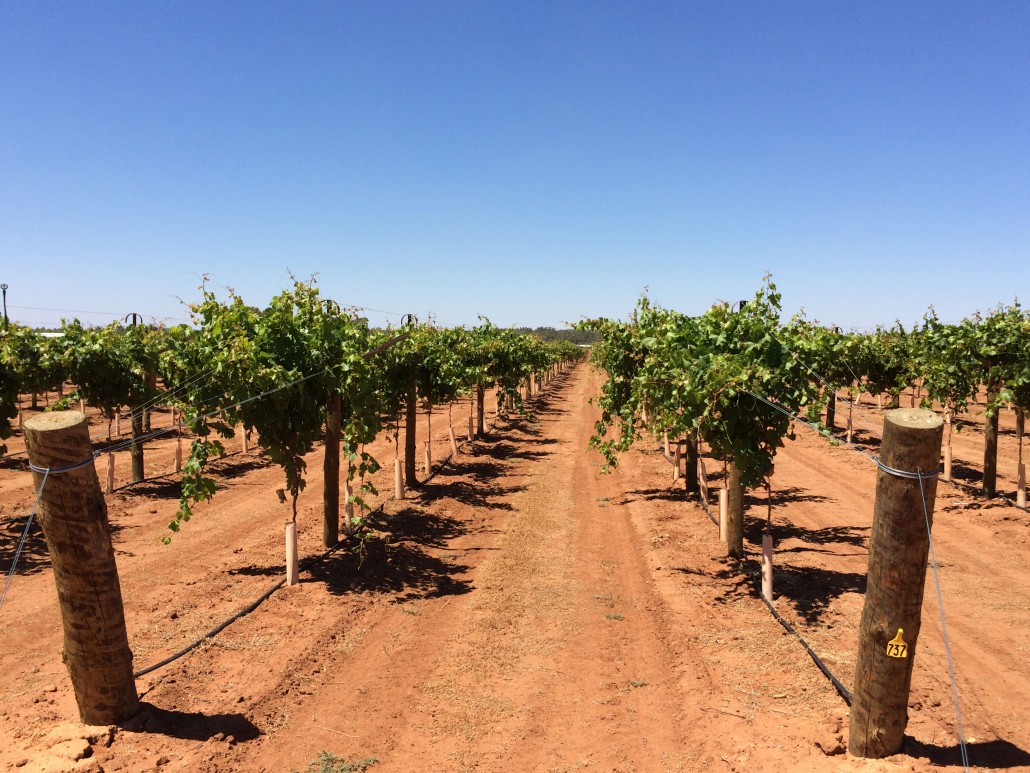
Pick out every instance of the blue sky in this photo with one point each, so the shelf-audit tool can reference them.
(532, 162)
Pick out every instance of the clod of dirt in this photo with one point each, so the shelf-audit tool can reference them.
(830, 741)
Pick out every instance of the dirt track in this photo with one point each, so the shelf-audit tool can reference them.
(523, 612)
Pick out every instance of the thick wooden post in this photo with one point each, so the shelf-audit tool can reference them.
(723, 513)
(398, 479)
(898, 549)
(734, 513)
(454, 440)
(73, 515)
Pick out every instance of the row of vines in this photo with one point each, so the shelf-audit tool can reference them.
(298, 372)
(737, 378)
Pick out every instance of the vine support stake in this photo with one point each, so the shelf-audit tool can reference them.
(734, 512)
(73, 515)
(110, 472)
(898, 550)
(946, 475)
(454, 440)
(676, 456)
(767, 566)
(722, 513)
(428, 459)
(1021, 486)
(398, 479)
(292, 564)
(178, 455)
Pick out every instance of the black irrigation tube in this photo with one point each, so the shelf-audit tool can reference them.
(314, 561)
(843, 691)
(837, 685)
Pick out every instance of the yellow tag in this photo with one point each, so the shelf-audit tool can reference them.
(896, 647)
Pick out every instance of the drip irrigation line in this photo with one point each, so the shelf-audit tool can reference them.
(837, 685)
(843, 691)
(24, 539)
(304, 566)
(944, 632)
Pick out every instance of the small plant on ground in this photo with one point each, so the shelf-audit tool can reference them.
(328, 762)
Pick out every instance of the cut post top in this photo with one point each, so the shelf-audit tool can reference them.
(914, 418)
(54, 420)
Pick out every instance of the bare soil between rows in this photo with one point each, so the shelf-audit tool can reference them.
(521, 611)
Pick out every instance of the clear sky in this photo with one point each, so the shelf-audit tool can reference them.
(535, 162)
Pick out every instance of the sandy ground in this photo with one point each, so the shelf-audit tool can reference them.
(520, 611)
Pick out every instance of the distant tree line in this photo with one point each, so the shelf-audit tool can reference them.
(552, 334)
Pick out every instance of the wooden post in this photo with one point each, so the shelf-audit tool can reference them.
(330, 470)
(767, 566)
(849, 429)
(82, 406)
(398, 479)
(244, 432)
(292, 564)
(946, 475)
(480, 410)
(734, 513)
(1021, 486)
(118, 424)
(73, 515)
(178, 455)
(879, 401)
(676, 462)
(691, 458)
(136, 449)
(723, 501)
(665, 439)
(454, 440)
(410, 417)
(898, 550)
(110, 472)
(429, 459)
(472, 429)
